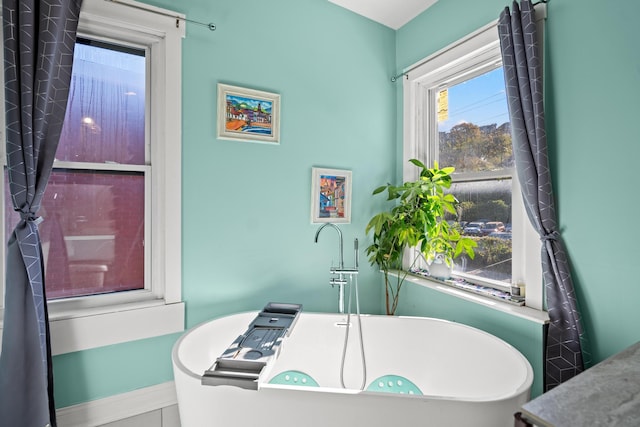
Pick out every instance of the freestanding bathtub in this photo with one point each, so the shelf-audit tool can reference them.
(419, 372)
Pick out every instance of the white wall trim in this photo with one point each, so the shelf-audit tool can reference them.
(118, 407)
(523, 312)
(129, 323)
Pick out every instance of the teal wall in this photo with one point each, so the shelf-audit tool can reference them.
(247, 238)
(247, 233)
(594, 101)
(92, 374)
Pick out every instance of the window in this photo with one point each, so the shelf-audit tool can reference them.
(93, 231)
(473, 134)
(111, 230)
(456, 114)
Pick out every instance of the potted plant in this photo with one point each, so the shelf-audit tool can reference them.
(416, 220)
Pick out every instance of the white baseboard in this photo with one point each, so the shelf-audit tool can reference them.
(118, 407)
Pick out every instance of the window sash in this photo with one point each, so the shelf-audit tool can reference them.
(149, 292)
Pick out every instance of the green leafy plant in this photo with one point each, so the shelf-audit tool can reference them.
(416, 220)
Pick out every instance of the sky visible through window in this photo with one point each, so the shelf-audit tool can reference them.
(480, 100)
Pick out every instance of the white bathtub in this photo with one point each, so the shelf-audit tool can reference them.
(466, 377)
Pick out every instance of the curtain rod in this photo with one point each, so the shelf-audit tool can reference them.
(405, 73)
(211, 26)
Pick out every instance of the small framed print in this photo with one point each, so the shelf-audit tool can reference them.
(248, 115)
(330, 195)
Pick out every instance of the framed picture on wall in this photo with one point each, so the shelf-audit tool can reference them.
(330, 195)
(248, 115)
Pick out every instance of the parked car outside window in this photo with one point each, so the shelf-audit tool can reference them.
(492, 227)
(473, 228)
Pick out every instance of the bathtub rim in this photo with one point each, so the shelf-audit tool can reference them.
(176, 347)
(526, 385)
(365, 392)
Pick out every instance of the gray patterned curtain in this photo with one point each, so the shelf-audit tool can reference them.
(39, 38)
(523, 79)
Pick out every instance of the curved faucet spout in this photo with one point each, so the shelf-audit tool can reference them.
(339, 235)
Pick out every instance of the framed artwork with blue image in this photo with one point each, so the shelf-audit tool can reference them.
(248, 115)
(330, 195)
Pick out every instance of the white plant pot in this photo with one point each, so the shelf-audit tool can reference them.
(439, 268)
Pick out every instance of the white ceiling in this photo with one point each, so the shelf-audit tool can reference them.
(392, 13)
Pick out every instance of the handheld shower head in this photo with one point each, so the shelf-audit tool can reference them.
(355, 249)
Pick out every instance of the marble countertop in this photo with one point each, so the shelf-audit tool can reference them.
(607, 394)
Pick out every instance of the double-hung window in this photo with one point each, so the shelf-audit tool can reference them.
(111, 230)
(456, 113)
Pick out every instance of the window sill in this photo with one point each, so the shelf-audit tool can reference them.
(524, 312)
(98, 327)
(115, 325)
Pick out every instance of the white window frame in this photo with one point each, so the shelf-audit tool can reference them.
(473, 55)
(93, 321)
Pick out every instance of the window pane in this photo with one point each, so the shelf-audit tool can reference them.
(92, 233)
(473, 124)
(474, 136)
(105, 120)
(485, 215)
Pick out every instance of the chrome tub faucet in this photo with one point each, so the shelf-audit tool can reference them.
(340, 271)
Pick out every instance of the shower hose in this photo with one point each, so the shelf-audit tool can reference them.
(353, 279)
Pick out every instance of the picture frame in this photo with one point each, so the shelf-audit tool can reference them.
(248, 115)
(330, 195)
